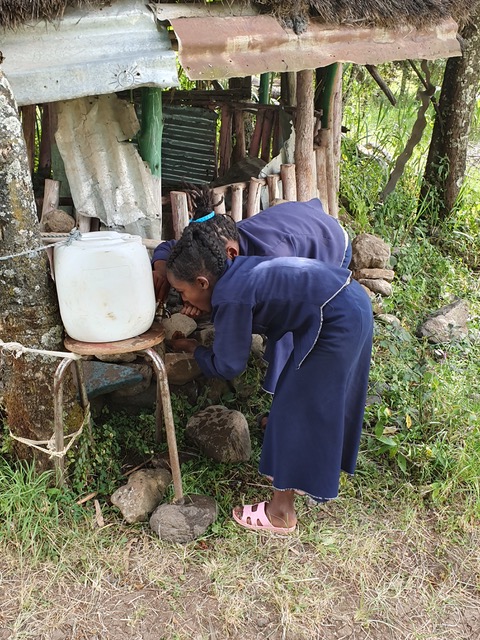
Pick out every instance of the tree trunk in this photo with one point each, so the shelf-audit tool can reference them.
(28, 303)
(446, 161)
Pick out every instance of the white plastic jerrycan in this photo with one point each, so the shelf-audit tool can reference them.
(104, 286)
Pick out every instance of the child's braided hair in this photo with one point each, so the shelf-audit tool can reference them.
(201, 202)
(199, 252)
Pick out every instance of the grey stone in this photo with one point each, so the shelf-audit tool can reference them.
(388, 318)
(206, 336)
(369, 252)
(221, 434)
(180, 323)
(185, 522)
(377, 286)
(374, 274)
(181, 368)
(448, 324)
(368, 291)
(142, 493)
(258, 346)
(58, 221)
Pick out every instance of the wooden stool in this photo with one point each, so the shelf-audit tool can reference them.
(139, 344)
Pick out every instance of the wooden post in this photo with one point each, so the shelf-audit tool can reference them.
(304, 136)
(51, 199)
(225, 141)
(254, 193)
(289, 183)
(267, 135)
(237, 201)
(28, 126)
(84, 223)
(219, 196)
(336, 126)
(257, 134)
(321, 165)
(239, 150)
(150, 139)
(325, 142)
(272, 182)
(180, 218)
(45, 150)
(288, 84)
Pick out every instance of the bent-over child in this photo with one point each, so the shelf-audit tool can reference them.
(316, 416)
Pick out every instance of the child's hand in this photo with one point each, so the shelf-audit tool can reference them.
(160, 282)
(190, 311)
(184, 344)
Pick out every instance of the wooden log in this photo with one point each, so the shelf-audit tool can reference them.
(180, 217)
(276, 134)
(267, 135)
(257, 135)
(28, 126)
(254, 193)
(325, 138)
(51, 199)
(225, 141)
(288, 83)
(304, 125)
(273, 191)
(239, 150)
(237, 202)
(218, 199)
(336, 126)
(84, 223)
(46, 136)
(289, 182)
(322, 188)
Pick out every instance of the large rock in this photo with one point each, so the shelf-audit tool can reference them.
(181, 368)
(374, 274)
(57, 221)
(369, 252)
(185, 522)
(142, 493)
(448, 324)
(221, 434)
(377, 286)
(178, 323)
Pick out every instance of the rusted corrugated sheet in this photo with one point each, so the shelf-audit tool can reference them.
(90, 51)
(212, 48)
(188, 145)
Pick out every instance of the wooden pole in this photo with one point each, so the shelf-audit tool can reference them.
(289, 183)
(272, 182)
(45, 150)
(219, 196)
(304, 136)
(254, 193)
(321, 162)
(225, 142)
(239, 150)
(237, 201)
(150, 139)
(257, 134)
(28, 126)
(266, 135)
(336, 126)
(51, 199)
(180, 218)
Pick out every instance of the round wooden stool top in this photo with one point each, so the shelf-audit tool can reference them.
(155, 335)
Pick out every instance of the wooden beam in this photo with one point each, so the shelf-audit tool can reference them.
(304, 159)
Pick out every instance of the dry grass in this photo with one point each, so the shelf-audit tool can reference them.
(351, 572)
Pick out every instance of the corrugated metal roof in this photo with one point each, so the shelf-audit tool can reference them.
(227, 47)
(88, 52)
(188, 145)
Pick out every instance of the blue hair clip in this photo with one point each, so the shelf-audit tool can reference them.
(209, 216)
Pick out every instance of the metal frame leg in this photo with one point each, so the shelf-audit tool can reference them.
(58, 380)
(164, 405)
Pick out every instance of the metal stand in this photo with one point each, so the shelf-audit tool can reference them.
(163, 413)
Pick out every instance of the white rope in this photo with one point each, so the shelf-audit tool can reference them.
(50, 450)
(73, 235)
(18, 349)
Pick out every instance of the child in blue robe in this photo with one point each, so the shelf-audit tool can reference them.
(316, 416)
(301, 229)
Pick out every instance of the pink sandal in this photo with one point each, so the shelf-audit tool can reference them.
(259, 520)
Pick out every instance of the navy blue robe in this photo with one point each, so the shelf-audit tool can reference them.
(300, 229)
(316, 416)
